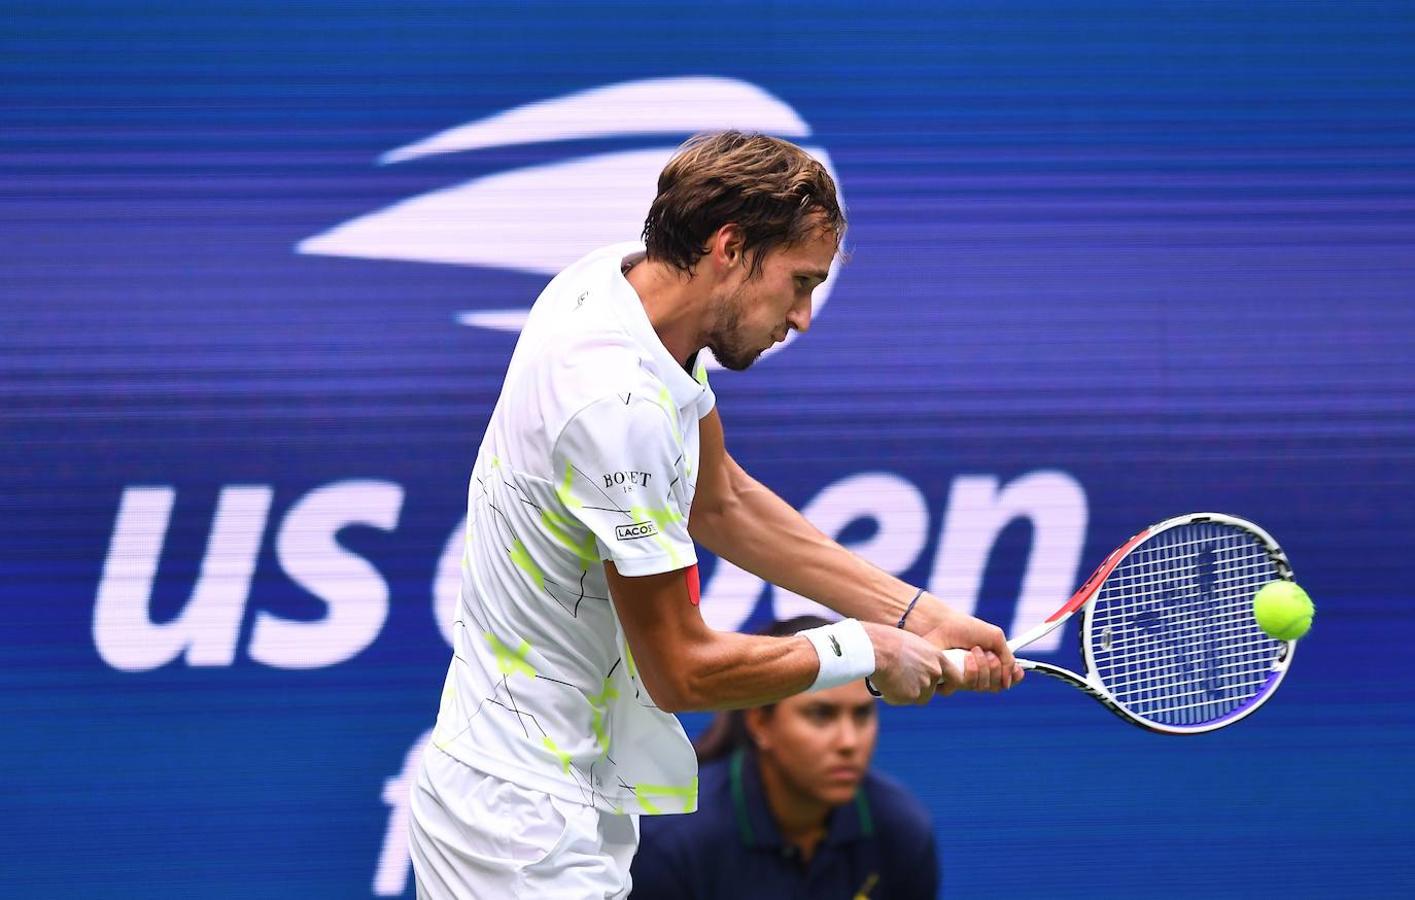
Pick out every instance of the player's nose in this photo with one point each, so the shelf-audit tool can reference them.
(799, 317)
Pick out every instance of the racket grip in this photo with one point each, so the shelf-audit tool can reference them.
(956, 658)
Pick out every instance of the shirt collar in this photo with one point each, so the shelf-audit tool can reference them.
(755, 825)
(629, 308)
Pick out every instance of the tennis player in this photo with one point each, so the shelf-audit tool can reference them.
(578, 633)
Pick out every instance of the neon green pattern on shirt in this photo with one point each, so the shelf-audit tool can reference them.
(665, 400)
(599, 705)
(686, 795)
(559, 754)
(662, 516)
(629, 661)
(560, 527)
(511, 662)
(562, 490)
(522, 558)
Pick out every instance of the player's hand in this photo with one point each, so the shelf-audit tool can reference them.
(990, 666)
(982, 671)
(907, 667)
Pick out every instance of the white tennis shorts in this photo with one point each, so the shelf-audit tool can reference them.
(475, 837)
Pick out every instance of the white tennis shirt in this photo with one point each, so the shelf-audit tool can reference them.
(590, 455)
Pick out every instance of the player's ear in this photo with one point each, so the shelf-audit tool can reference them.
(728, 246)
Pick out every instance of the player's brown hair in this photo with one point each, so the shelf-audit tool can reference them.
(773, 190)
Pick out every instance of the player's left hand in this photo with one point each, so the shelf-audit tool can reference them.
(990, 666)
(982, 671)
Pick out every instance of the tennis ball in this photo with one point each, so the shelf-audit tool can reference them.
(1283, 610)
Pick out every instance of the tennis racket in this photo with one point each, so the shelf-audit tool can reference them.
(1167, 628)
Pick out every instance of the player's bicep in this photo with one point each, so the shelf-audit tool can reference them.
(661, 622)
(714, 498)
(712, 468)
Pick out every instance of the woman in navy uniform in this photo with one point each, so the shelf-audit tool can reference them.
(787, 807)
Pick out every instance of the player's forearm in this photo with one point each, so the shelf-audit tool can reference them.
(735, 671)
(688, 666)
(753, 528)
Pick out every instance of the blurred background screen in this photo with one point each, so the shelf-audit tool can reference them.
(264, 265)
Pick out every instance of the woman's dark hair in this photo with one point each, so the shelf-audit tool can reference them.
(728, 730)
(773, 190)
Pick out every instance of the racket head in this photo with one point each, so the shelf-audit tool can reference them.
(1169, 637)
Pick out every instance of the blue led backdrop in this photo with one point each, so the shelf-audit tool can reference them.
(264, 263)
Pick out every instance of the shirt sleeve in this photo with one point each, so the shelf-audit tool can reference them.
(618, 462)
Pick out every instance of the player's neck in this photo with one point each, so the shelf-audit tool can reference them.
(674, 303)
(800, 819)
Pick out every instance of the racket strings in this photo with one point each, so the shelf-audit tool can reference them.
(1172, 635)
(1231, 629)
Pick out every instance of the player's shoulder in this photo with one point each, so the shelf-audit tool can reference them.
(579, 300)
(581, 273)
(602, 387)
(586, 366)
(581, 351)
(894, 807)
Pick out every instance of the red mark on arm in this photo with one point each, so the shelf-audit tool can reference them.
(690, 575)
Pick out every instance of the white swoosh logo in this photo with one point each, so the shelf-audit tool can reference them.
(541, 218)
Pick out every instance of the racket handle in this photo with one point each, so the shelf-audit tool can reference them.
(956, 658)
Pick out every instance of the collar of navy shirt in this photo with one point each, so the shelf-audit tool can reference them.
(757, 828)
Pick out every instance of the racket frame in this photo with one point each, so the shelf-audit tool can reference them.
(1083, 600)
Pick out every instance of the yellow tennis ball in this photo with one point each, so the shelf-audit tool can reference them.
(1283, 610)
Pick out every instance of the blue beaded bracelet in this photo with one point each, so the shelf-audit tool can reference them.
(869, 685)
(910, 608)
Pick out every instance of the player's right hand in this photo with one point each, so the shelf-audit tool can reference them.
(908, 668)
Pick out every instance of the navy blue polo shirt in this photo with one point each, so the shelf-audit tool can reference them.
(879, 847)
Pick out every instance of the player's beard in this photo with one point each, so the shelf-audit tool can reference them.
(726, 340)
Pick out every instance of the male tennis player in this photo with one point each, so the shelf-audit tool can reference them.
(577, 632)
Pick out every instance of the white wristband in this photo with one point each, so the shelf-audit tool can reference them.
(845, 652)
